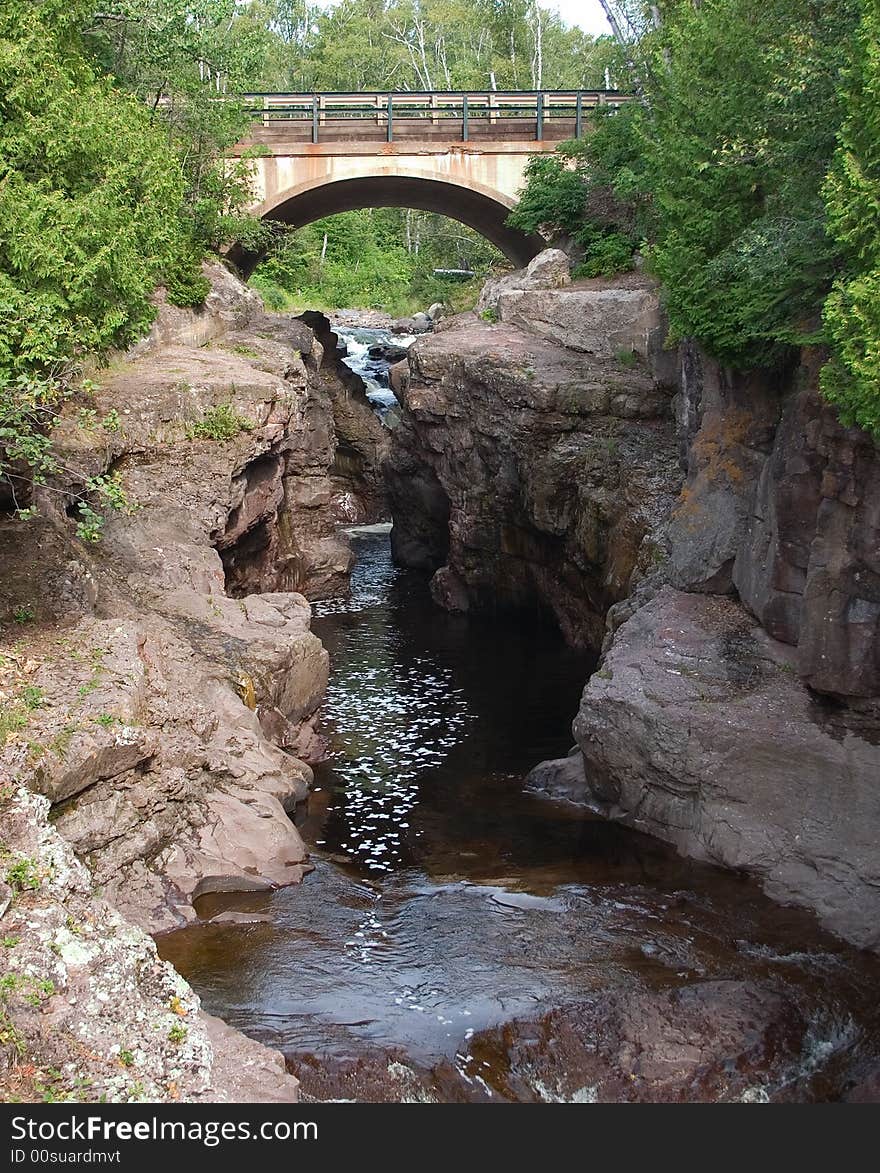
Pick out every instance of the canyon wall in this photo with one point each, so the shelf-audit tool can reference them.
(717, 533)
(161, 682)
(529, 475)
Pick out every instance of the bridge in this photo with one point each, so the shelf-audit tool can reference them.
(460, 154)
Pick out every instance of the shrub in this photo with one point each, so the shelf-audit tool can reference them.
(220, 423)
(851, 380)
(188, 287)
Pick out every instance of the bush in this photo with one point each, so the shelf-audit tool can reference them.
(187, 288)
(716, 176)
(605, 253)
(220, 423)
(851, 380)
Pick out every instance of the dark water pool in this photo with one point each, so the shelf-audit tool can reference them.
(445, 901)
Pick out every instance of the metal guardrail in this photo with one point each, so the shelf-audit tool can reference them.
(528, 113)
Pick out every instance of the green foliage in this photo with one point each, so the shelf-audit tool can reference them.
(220, 423)
(177, 1033)
(717, 176)
(272, 294)
(429, 44)
(852, 311)
(626, 358)
(13, 718)
(33, 696)
(89, 198)
(110, 494)
(23, 875)
(378, 258)
(554, 199)
(591, 191)
(741, 128)
(188, 288)
(110, 136)
(606, 252)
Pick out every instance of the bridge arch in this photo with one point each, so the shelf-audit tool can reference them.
(475, 204)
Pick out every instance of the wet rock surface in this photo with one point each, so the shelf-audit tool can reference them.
(712, 1042)
(461, 940)
(361, 439)
(537, 463)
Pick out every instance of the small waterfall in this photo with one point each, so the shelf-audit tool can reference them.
(370, 353)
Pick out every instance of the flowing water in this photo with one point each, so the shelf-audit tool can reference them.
(372, 368)
(445, 901)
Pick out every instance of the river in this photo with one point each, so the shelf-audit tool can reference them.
(457, 932)
(446, 901)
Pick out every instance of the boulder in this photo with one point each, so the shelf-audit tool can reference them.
(387, 352)
(611, 320)
(710, 1042)
(550, 269)
(92, 1006)
(562, 779)
(417, 324)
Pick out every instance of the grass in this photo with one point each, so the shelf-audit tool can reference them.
(60, 744)
(23, 876)
(13, 718)
(33, 697)
(627, 357)
(220, 423)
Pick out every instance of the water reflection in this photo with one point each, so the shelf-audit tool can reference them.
(446, 901)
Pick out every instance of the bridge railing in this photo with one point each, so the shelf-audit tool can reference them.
(517, 115)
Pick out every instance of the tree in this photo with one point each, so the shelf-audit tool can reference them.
(852, 312)
(90, 219)
(722, 165)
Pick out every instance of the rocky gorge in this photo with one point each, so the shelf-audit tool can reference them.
(709, 540)
(161, 684)
(716, 534)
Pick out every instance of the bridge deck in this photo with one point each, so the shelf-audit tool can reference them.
(285, 119)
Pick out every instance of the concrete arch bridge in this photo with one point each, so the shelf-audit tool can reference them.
(460, 154)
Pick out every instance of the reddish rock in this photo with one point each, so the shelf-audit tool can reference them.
(696, 729)
(532, 475)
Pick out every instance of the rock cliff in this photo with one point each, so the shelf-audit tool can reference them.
(88, 1011)
(717, 532)
(160, 679)
(526, 474)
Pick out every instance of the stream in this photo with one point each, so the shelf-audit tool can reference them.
(462, 940)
